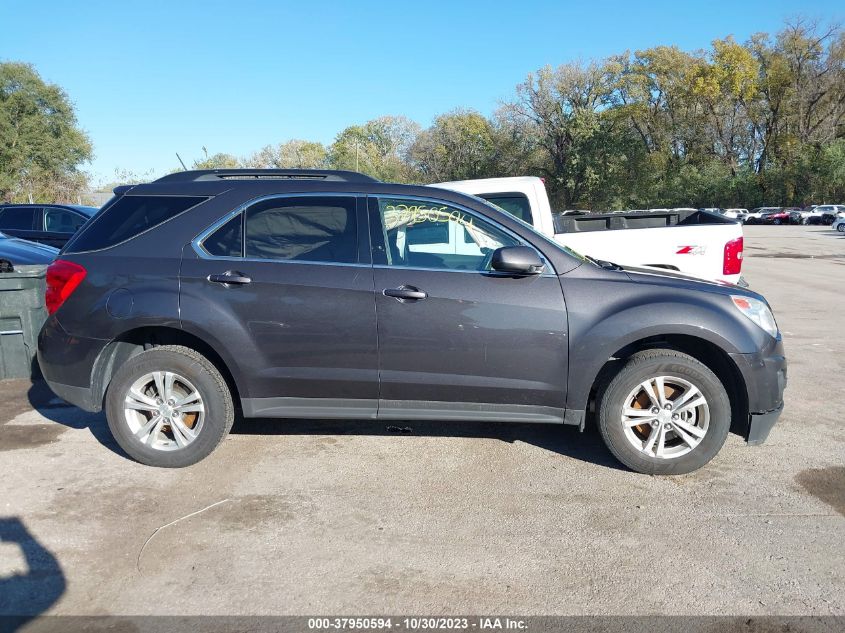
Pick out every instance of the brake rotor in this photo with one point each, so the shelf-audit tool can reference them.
(642, 401)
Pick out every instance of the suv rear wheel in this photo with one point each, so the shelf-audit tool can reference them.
(169, 406)
(664, 413)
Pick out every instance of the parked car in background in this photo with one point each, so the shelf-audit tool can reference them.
(733, 214)
(20, 252)
(755, 215)
(52, 224)
(839, 224)
(207, 289)
(703, 245)
(821, 213)
(737, 213)
(778, 217)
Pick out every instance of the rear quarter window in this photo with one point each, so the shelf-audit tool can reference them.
(128, 217)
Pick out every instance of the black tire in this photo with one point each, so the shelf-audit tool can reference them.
(640, 367)
(841, 228)
(778, 222)
(205, 377)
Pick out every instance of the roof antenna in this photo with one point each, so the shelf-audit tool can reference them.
(181, 161)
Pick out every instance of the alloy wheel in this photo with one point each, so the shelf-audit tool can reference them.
(164, 410)
(665, 417)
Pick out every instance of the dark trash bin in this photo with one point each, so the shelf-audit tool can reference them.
(22, 313)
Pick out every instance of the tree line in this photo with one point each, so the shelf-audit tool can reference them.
(740, 124)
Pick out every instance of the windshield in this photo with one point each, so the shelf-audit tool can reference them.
(531, 228)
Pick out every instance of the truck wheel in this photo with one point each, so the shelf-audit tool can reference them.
(841, 228)
(664, 413)
(169, 407)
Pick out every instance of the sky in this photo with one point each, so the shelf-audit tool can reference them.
(149, 79)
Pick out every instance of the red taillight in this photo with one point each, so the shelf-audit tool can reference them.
(62, 279)
(733, 257)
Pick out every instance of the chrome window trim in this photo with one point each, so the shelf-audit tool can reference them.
(199, 249)
(548, 265)
(486, 273)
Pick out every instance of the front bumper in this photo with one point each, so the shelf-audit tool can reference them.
(760, 424)
(765, 378)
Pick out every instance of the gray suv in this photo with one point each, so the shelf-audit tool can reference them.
(327, 294)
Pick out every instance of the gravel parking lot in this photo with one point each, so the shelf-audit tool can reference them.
(336, 517)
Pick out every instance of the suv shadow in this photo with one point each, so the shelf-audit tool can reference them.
(51, 407)
(564, 440)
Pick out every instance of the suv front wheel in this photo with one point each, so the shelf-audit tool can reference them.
(169, 407)
(664, 413)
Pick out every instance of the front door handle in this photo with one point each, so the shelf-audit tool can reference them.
(230, 277)
(405, 293)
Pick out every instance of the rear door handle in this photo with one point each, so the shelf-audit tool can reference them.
(230, 277)
(405, 293)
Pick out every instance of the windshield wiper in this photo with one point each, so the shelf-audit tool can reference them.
(604, 263)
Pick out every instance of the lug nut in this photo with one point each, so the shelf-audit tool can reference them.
(655, 410)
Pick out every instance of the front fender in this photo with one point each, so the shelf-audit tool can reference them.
(608, 313)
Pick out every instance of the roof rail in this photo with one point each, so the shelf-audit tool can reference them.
(204, 175)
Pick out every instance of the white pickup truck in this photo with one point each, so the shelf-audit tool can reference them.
(697, 243)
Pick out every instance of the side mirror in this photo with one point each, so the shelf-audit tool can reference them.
(520, 260)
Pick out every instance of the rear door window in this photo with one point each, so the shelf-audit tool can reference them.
(307, 228)
(18, 218)
(127, 217)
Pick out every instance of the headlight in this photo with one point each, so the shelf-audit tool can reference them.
(758, 312)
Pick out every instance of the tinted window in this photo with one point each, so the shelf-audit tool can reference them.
(402, 219)
(62, 220)
(514, 203)
(17, 218)
(227, 241)
(315, 229)
(127, 217)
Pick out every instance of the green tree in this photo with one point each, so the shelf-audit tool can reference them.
(217, 161)
(379, 148)
(293, 154)
(458, 146)
(41, 145)
(566, 110)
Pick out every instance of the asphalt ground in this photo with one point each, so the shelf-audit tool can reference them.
(311, 517)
